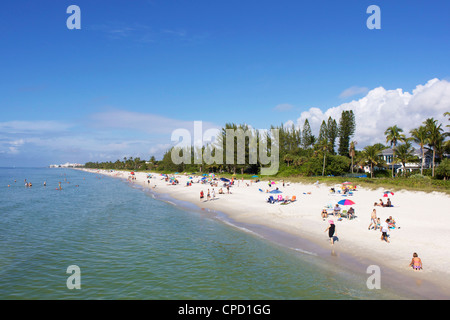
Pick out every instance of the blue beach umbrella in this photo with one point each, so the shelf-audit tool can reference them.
(275, 191)
(224, 179)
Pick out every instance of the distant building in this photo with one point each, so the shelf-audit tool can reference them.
(388, 156)
(66, 165)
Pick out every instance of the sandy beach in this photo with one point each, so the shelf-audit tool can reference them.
(422, 221)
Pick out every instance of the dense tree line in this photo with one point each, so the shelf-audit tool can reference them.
(300, 152)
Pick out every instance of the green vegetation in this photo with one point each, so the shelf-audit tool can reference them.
(306, 158)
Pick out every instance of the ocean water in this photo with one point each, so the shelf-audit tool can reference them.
(129, 245)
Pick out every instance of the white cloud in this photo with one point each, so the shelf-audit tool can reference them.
(382, 108)
(353, 91)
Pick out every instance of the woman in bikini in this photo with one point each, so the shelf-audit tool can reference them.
(416, 263)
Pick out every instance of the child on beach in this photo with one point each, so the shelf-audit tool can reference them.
(416, 262)
(378, 225)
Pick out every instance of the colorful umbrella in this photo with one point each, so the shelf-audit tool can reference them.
(275, 191)
(346, 202)
(346, 182)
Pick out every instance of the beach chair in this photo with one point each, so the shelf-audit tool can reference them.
(271, 199)
(344, 214)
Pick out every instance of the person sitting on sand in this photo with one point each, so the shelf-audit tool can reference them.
(392, 224)
(336, 209)
(388, 203)
(416, 262)
(380, 204)
(351, 213)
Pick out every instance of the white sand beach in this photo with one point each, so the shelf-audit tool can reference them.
(422, 219)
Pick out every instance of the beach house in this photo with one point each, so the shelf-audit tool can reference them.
(388, 156)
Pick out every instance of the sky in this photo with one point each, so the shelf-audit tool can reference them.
(138, 70)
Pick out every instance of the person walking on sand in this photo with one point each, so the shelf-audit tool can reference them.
(213, 193)
(416, 262)
(201, 195)
(208, 196)
(384, 231)
(373, 219)
(331, 231)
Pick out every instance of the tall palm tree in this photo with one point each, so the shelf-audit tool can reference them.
(434, 136)
(405, 154)
(393, 135)
(420, 136)
(371, 156)
(324, 147)
(352, 151)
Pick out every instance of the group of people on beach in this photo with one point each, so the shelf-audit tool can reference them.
(209, 195)
(382, 204)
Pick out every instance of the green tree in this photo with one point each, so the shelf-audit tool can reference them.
(371, 156)
(420, 136)
(352, 151)
(443, 171)
(346, 130)
(307, 136)
(434, 136)
(332, 133)
(323, 132)
(405, 154)
(323, 148)
(393, 135)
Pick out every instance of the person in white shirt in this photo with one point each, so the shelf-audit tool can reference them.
(384, 230)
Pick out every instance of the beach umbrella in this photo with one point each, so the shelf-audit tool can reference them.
(346, 182)
(132, 172)
(224, 179)
(389, 192)
(254, 176)
(205, 174)
(275, 191)
(346, 202)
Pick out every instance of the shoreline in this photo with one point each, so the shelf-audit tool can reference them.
(278, 228)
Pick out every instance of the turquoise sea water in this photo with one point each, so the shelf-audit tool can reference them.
(129, 245)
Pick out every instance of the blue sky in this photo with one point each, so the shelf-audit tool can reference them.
(139, 69)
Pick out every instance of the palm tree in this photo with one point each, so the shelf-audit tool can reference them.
(393, 135)
(371, 156)
(324, 146)
(288, 158)
(404, 154)
(434, 136)
(420, 136)
(352, 151)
